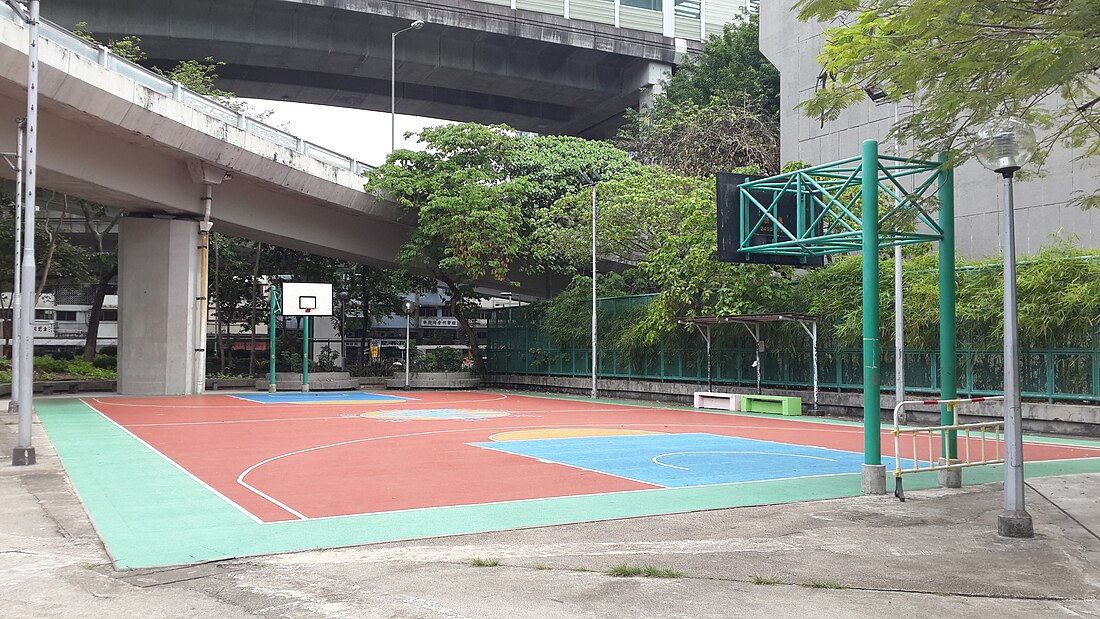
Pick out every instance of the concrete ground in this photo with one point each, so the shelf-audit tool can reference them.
(935, 555)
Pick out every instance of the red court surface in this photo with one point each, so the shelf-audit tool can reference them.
(298, 461)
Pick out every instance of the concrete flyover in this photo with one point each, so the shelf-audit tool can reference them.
(473, 61)
(110, 132)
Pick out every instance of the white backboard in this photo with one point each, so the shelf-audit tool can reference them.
(299, 297)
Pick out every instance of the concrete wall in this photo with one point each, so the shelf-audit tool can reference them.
(793, 46)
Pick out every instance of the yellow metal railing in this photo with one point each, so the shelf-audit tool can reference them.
(989, 436)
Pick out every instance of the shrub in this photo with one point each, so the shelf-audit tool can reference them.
(105, 362)
(442, 359)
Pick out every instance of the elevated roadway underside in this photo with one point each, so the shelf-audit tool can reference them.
(471, 62)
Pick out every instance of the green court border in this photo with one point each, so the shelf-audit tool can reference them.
(149, 513)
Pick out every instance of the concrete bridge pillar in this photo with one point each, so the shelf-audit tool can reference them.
(158, 264)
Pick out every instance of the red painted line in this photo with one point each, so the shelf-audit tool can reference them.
(320, 464)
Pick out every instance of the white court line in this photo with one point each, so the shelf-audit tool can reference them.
(246, 472)
(253, 404)
(175, 464)
(346, 397)
(657, 459)
(325, 418)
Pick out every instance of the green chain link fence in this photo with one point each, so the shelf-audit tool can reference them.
(519, 345)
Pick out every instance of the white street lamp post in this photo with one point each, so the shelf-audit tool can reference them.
(1004, 145)
(416, 25)
(408, 307)
(593, 178)
(24, 454)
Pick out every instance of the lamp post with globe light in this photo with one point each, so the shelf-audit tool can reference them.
(1004, 145)
(416, 25)
(408, 307)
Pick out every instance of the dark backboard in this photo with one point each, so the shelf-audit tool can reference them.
(729, 224)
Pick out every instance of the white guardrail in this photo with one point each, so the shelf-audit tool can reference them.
(982, 433)
(207, 105)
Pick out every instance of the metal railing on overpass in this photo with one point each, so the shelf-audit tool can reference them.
(207, 105)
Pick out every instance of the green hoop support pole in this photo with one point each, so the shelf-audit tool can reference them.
(872, 354)
(305, 353)
(273, 292)
(948, 362)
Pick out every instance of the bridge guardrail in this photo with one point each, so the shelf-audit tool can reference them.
(207, 105)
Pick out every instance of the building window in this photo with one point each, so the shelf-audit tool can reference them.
(427, 312)
(652, 5)
(446, 311)
(43, 314)
(66, 315)
(688, 8)
(108, 315)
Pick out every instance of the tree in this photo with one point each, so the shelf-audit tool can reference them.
(701, 140)
(196, 75)
(667, 225)
(719, 111)
(474, 193)
(731, 69)
(962, 62)
(100, 222)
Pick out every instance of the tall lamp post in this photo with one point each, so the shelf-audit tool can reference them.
(1004, 145)
(408, 307)
(23, 454)
(416, 25)
(593, 178)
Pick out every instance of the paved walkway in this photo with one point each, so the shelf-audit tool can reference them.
(936, 554)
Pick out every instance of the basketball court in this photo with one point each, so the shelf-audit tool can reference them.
(173, 480)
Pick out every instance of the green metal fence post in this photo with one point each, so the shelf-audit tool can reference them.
(948, 360)
(872, 388)
(305, 353)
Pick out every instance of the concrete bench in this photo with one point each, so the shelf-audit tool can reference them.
(777, 404)
(718, 401)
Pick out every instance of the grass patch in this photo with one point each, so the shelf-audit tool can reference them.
(646, 571)
(541, 566)
(484, 563)
(758, 579)
(825, 584)
(581, 569)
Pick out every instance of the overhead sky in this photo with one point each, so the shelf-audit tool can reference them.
(355, 133)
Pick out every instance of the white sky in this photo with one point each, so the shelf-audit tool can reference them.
(355, 133)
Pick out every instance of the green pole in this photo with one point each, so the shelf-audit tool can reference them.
(872, 389)
(305, 353)
(948, 361)
(274, 294)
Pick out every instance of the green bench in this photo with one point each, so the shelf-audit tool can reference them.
(776, 404)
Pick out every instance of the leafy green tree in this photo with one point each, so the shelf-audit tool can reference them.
(475, 192)
(666, 225)
(963, 62)
(731, 69)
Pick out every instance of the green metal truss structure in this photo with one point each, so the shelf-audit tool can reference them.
(839, 211)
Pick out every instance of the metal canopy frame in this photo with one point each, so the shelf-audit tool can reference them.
(752, 323)
(829, 196)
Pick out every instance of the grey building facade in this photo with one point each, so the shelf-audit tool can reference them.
(1041, 211)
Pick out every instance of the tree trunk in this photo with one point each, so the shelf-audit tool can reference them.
(463, 321)
(252, 320)
(363, 321)
(96, 313)
(218, 313)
